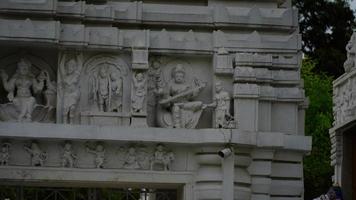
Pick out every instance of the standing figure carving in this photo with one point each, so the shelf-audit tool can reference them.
(102, 89)
(68, 156)
(139, 83)
(38, 157)
(223, 118)
(19, 89)
(5, 154)
(351, 54)
(50, 93)
(177, 99)
(70, 71)
(155, 86)
(116, 89)
(99, 153)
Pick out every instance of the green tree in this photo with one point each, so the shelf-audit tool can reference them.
(326, 26)
(319, 117)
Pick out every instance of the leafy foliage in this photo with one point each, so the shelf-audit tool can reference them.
(326, 26)
(319, 117)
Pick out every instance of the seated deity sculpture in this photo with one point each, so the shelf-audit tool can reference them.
(131, 160)
(177, 107)
(21, 88)
(162, 157)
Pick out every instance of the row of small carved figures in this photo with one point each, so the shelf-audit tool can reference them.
(160, 160)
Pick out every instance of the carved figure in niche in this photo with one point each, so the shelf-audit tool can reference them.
(351, 53)
(50, 92)
(68, 156)
(70, 70)
(99, 153)
(143, 157)
(155, 87)
(131, 160)
(5, 154)
(177, 99)
(139, 83)
(102, 88)
(162, 157)
(38, 157)
(223, 118)
(116, 88)
(19, 89)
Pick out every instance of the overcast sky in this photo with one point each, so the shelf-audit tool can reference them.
(353, 5)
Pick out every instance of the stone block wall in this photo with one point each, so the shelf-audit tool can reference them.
(146, 93)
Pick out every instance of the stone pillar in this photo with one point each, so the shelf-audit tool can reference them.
(209, 179)
(242, 177)
(139, 79)
(246, 106)
(260, 171)
(228, 170)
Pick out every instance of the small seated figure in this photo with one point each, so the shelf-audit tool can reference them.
(162, 157)
(139, 83)
(131, 161)
(68, 157)
(38, 157)
(5, 154)
(99, 153)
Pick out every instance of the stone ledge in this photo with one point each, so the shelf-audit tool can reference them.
(18, 173)
(178, 136)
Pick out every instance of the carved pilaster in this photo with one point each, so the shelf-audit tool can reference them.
(139, 84)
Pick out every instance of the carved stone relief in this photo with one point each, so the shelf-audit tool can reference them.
(25, 89)
(139, 93)
(162, 157)
(105, 97)
(99, 154)
(38, 156)
(70, 67)
(131, 159)
(222, 101)
(68, 156)
(5, 154)
(351, 54)
(155, 86)
(175, 92)
(344, 101)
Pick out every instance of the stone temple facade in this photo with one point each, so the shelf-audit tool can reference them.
(343, 139)
(152, 99)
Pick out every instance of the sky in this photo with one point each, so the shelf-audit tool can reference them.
(353, 4)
